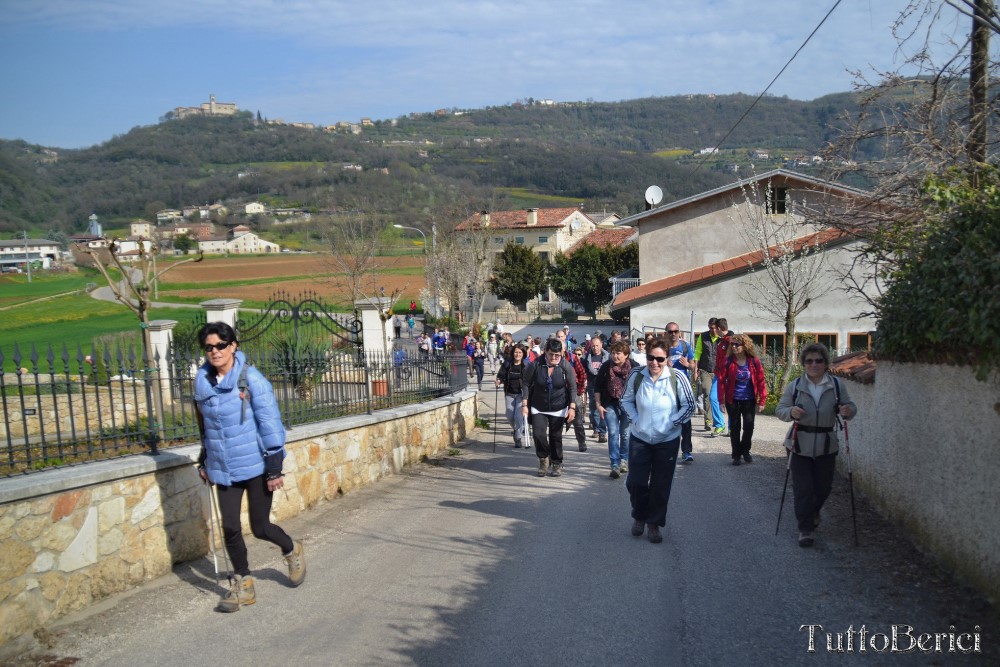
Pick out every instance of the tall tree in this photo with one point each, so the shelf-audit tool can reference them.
(519, 274)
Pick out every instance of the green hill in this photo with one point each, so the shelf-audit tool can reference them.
(415, 168)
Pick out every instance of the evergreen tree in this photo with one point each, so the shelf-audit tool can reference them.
(583, 278)
(519, 274)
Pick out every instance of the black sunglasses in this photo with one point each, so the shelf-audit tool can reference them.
(673, 330)
(659, 360)
(218, 346)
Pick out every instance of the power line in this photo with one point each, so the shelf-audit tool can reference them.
(776, 77)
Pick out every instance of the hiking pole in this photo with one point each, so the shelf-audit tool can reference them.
(213, 498)
(211, 527)
(850, 482)
(788, 470)
(496, 420)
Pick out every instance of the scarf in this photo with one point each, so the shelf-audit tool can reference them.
(616, 378)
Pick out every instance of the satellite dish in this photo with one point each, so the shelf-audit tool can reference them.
(654, 195)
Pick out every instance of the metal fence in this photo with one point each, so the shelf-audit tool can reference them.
(60, 408)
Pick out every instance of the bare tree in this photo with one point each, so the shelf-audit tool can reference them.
(929, 115)
(354, 252)
(788, 266)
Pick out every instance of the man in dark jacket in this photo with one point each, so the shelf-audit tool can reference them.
(592, 362)
(581, 386)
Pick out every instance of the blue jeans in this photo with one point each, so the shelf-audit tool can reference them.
(717, 417)
(512, 409)
(650, 476)
(595, 417)
(618, 426)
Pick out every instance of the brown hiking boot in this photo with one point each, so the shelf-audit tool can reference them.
(296, 562)
(240, 594)
(543, 467)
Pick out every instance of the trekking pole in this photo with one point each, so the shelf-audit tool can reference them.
(496, 419)
(788, 470)
(213, 498)
(850, 482)
(211, 527)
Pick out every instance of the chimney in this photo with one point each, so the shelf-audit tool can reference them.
(484, 218)
(532, 217)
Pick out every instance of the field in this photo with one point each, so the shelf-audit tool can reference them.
(32, 316)
(255, 278)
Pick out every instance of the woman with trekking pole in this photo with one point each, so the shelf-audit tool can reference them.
(816, 402)
(243, 446)
(510, 377)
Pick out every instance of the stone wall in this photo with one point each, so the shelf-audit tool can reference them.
(72, 536)
(926, 447)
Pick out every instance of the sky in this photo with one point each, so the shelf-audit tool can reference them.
(77, 72)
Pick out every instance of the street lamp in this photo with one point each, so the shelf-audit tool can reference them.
(434, 306)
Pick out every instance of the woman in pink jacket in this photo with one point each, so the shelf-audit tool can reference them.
(743, 390)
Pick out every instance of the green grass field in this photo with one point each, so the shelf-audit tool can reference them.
(15, 288)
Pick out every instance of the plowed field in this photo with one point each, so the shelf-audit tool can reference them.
(287, 270)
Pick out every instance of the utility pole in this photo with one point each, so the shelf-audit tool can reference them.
(27, 259)
(979, 83)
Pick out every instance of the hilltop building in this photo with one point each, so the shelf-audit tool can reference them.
(210, 108)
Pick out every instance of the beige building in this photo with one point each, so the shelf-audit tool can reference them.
(544, 230)
(694, 263)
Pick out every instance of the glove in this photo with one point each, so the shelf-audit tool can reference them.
(272, 465)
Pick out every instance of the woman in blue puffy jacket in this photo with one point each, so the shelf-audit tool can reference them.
(243, 445)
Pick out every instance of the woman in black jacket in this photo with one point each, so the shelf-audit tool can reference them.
(547, 396)
(511, 376)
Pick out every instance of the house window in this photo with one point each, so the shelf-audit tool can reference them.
(498, 240)
(543, 239)
(769, 345)
(544, 297)
(519, 240)
(545, 256)
(859, 341)
(777, 198)
(830, 340)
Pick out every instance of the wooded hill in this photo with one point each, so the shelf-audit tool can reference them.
(440, 165)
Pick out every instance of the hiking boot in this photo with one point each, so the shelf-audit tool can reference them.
(708, 427)
(816, 519)
(623, 466)
(687, 458)
(747, 458)
(638, 526)
(583, 446)
(240, 594)
(653, 534)
(736, 462)
(527, 443)
(806, 539)
(296, 561)
(602, 437)
(615, 472)
(556, 470)
(543, 467)
(517, 443)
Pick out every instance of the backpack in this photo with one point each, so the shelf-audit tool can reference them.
(528, 379)
(637, 382)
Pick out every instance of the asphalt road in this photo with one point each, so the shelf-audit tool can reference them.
(473, 560)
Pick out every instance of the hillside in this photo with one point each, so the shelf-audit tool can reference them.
(415, 168)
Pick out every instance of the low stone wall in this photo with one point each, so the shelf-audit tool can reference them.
(72, 536)
(926, 447)
(113, 406)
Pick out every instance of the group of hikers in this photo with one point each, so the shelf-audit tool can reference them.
(639, 399)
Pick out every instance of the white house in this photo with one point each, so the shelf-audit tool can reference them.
(693, 262)
(254, 207)
(15, 253)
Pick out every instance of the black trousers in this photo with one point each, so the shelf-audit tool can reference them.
(686, 445)
(741, 416)
(650, 476)
(547, 432)
(812, 480)
(259, 508)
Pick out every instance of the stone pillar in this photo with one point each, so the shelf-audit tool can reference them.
(377, 335)
(222, 310)
(161, 335)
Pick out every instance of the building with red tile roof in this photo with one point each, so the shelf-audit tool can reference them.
(695, 264)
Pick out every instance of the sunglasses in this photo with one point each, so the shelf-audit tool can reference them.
(673, 331)
(218, 346)
(660, 360)
(810, 362)
(736, 344)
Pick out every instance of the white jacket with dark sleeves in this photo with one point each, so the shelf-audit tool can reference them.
(235, 441)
